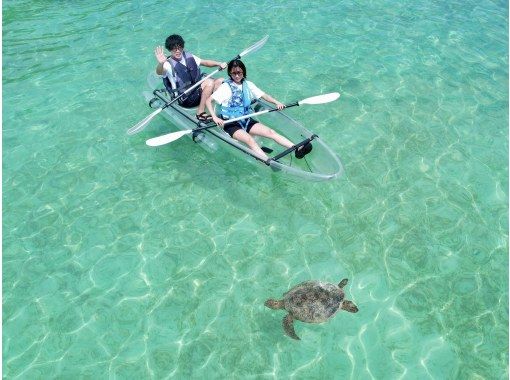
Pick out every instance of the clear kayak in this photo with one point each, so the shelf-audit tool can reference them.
(321, 164)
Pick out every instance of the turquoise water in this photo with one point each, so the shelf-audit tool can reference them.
(121, 261)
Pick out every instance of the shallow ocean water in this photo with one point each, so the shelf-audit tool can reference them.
(121, 261)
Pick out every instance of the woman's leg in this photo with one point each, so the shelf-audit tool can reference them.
(244, 137)
(260, 129)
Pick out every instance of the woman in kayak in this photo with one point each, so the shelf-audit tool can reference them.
(235, 96)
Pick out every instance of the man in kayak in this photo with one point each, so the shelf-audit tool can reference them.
(235, 96)
(181, 70)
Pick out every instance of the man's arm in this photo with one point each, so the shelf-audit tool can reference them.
(210, 63)
(160, 56)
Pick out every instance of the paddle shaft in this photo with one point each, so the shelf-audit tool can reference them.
(169, 137)
(319, 99)
(238, 118)
(259, 113)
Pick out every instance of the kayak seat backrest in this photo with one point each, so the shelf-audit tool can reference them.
(171, 92)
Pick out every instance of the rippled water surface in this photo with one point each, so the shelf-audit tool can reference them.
(123, 261)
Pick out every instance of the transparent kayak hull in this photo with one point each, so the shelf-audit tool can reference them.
(321, 164)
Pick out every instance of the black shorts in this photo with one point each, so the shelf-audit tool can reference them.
(231, 128)
(192, 99)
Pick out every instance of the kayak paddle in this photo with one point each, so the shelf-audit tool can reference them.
(169, 137)
(142, 124)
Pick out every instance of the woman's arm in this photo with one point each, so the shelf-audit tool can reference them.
(210, 108)
(269, 98)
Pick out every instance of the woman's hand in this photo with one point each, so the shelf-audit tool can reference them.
(270, 99)
(279, 105)
(218, 121)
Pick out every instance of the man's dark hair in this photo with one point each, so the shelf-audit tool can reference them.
(174, 41)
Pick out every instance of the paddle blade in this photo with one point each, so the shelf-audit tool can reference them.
(321, 99)
(141, 125)
(254, 47)
(168, 138)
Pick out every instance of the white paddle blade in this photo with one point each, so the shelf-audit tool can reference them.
(168, 138)
(321, 99)
(141, 125)
(254, 47)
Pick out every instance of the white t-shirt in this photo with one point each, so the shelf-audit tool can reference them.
(169, 73)
(223, 94)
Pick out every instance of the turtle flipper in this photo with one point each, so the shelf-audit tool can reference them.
(343, 283)
(349, 306)
(288, 326)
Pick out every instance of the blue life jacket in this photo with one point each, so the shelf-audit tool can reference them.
(185, 75)
(239, 103)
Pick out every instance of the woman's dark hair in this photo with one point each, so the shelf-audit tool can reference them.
(174, 41)
(236, 63)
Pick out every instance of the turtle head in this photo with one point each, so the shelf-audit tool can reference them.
(274, 304)
(349, 306)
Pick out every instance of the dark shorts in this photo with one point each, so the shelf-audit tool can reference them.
(192, 99)
(233, 127)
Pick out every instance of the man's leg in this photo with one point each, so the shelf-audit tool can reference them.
(207, 90)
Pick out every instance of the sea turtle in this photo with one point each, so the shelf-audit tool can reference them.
(312, 302)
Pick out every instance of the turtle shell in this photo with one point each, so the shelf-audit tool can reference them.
(313, 301)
